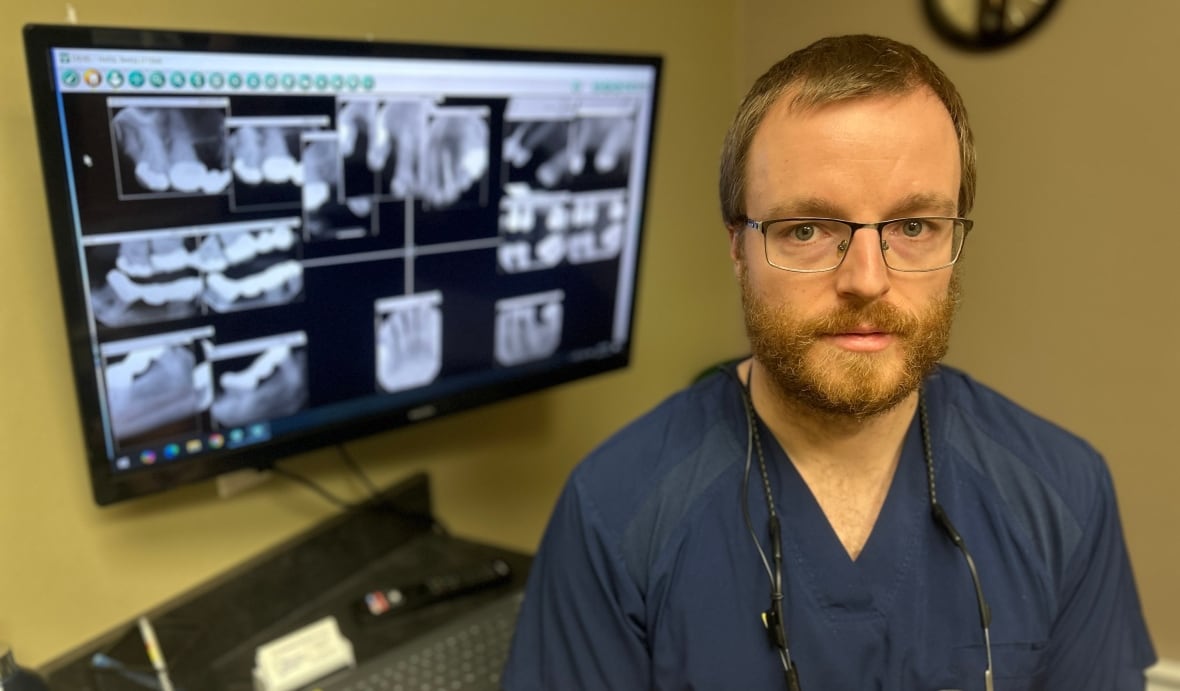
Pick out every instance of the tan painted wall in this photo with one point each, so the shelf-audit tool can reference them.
(69, 570)
(1071, 294)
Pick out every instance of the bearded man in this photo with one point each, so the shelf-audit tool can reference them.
(839, 512)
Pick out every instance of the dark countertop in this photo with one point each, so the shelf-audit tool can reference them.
(209, 635)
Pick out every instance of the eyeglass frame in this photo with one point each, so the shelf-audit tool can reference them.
(853, 226)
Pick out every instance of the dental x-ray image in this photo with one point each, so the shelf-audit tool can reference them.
(380, 144)
(327, 213)
(533, 228)
(261, 266)
(597, 226)
(454, 165)
(259, 380)
(169, 146)
(265, 159)
(154, 276)
(157, 387)
(558, 144)
(528, 327)
(540, 229)
(143, 278)
(409, 340)
(398, 148)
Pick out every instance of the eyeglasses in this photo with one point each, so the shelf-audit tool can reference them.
(815, 245)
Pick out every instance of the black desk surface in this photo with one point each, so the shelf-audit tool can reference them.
(209, 636)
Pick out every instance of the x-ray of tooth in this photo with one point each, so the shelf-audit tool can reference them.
(157, 386)
(380, 144)
(241, 245)
(598, 222)
(552, 143)
(266, 158)
(278, 284)
(149, 276)
(454, 161)
(142, 278)
(528, 327)
(135, 258)
(327, 213)
(605, 142)
(121, 300)
(155, 294)
(538, 152)
(261, 379)
(525, 244)
(409, 340)
(169, 145)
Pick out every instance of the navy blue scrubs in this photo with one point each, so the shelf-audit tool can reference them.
(647, 577)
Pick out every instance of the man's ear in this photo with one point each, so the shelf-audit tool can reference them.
(736, 250)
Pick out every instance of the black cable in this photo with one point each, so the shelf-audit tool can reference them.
(313, 486)
(774, 618)
(383, 502)
(359, 472)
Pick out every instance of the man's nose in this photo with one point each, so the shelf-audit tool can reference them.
(863, 273)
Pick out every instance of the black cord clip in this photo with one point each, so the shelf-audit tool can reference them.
(772, 619)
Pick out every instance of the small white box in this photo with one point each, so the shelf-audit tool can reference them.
(302, 657)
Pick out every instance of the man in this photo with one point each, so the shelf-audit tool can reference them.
(839, 512)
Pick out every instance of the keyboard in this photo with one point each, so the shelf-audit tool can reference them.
(464, 654)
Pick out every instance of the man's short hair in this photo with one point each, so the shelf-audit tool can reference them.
(831, 70)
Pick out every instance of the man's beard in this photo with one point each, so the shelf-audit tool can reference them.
(835, 382)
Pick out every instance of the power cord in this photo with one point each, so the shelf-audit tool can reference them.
(376, 498)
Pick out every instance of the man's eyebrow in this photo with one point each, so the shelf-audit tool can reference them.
(918, 203)
(925, 203)
(805, 206)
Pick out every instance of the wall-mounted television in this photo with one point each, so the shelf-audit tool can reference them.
(267, 244)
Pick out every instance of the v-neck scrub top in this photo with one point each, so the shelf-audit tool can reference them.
(648, 578)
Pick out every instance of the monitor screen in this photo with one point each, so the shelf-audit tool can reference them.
(267, 244)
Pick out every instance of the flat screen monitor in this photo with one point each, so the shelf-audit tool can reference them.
(268, 244)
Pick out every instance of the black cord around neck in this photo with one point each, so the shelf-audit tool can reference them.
(774, 618)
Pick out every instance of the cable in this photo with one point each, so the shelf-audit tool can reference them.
(313, 486)
(359, 472)
(774, 618)
(381, 501)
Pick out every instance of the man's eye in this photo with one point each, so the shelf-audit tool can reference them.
(913, 228)
(802, 232)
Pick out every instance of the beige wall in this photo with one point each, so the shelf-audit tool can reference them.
(69, 570)
(1071, 299)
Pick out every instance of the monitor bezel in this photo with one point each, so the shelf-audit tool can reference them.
(109, 486)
